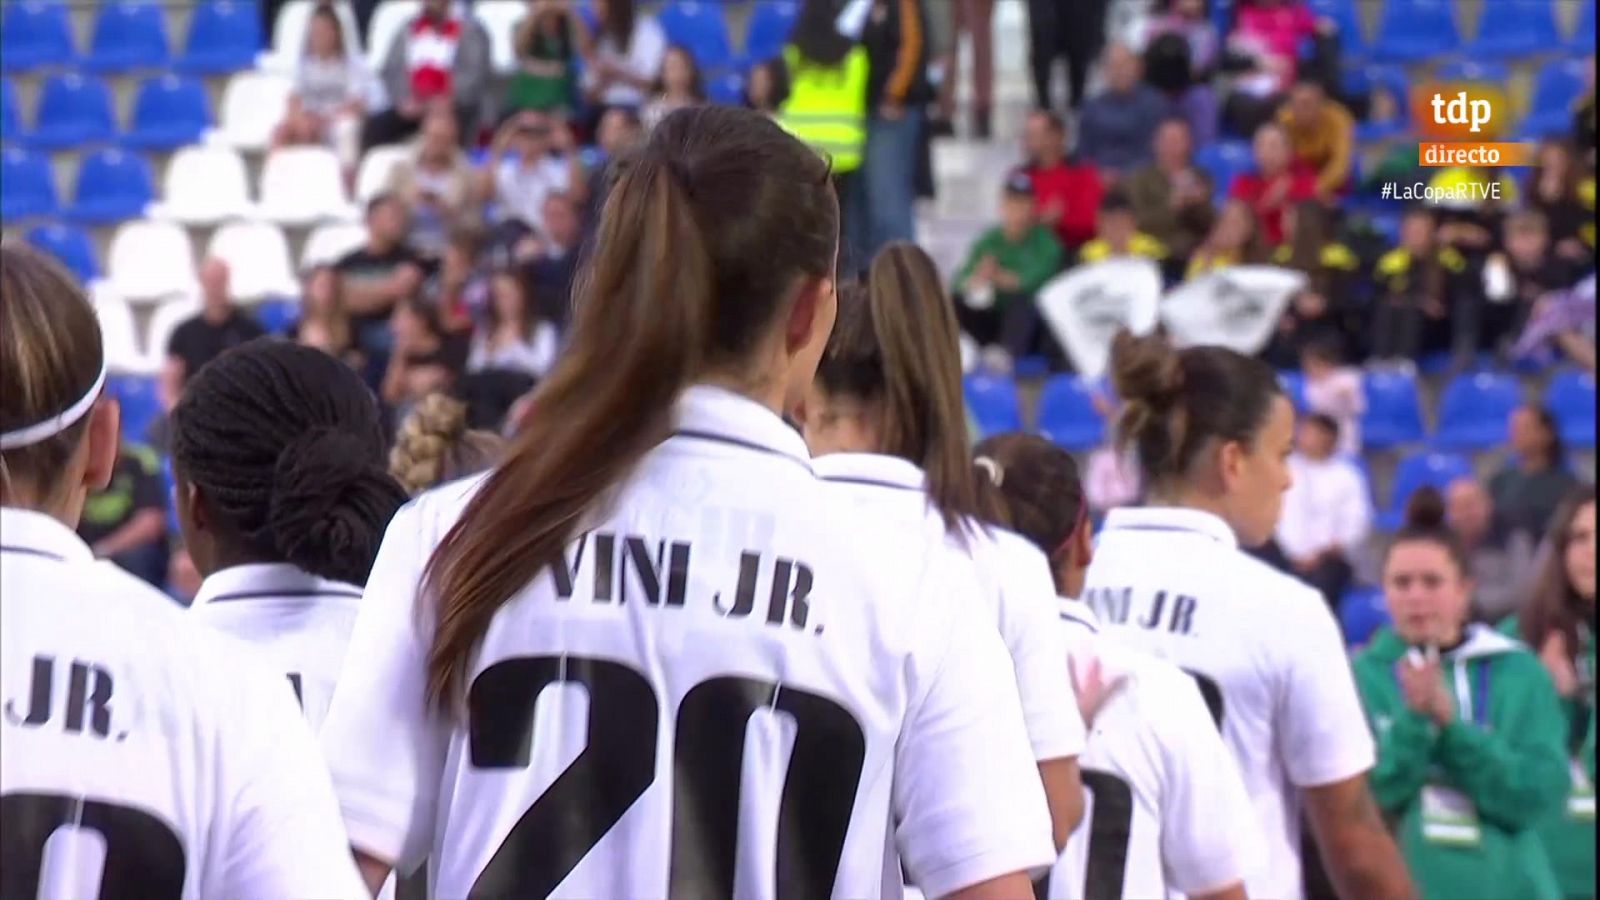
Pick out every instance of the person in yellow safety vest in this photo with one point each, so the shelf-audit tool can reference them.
(827, 75)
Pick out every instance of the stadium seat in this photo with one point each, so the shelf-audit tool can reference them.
(117, 332)
(168, 112)
(377, 168)
(727, 89)
(1372, 80)
(113, 185)
(994, 403)
(29, 185)
(1294, 387)
(1394, 410)
(1362, 612)
(768, 30)
(388, 20)
(1558, 84)
(500, 18)
(1570, 397)
(327, 243)
(1475, 410)
(1474, 70)
(1424, 469)
(1223, 160)
(140, 400)
(302, 186)
(128, 35)
(35, 33)
(701, 29)
(72, 246)
(204, 186)
(72, 110)
(253, 104)
(278, 316)
(150, 261)
(1414, 31)
(257, 255)
(289, 34)
(1352, 39)
(1067, 415)
(1582, 40)
(10, 112)
(224, 36)
(1510, 28)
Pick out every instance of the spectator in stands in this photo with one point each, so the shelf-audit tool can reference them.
(1536, 477)
(1563, 320)
(460, 287)
(1553, 189)
(1171, 197)
(1499, 559)
(1264, 49)
(551, 266)
(375, 277)
(437, 183)
(1326, 512)
(548, 44)
(439, 57)
(426, 357)
(532, 157)
(1234, 240)
(975, 20)
(126, 521)
(1276, 184)
(1515, 279)
(679, 86)
(618, 133)
(1003, 271)
(1556, 621)
(1181, 54)
(1067, 191)
(330, 92)
(1418, 285)
(626, 56)
(1074, 29)
(513, 335)
(1332, 303)
(764, 88)
(1117, 233)
(436, 446)
(324, 323)
(1118, 125)
(1334, 389)
(219, 326)
(1321, 133)
(895, 35)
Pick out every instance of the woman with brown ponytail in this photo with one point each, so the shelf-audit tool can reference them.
(749, 683)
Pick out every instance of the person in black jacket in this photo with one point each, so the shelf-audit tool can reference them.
(1075, 29)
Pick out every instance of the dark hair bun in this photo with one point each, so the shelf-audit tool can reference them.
(1425, 510)
(330, 505)
(1146, 370)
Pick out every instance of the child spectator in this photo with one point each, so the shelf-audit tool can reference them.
(437, 183)
(1117, 234)
(548, 43)
(439, 58)
(1171, 197)
(1330, 307)
(1066, 191)
(1234, 240)
(1005, 268)
(1419, 283)
(679, 86)
(1326, 512)
(1321, 132)
(331, 85)
(513, 336)
(1117, 125)
(1276, 184)
(1335, 390)
(627, 55)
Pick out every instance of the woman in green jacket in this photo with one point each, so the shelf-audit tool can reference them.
(1471, 739)
(1556, 622)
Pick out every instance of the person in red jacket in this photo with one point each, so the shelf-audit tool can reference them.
(1277, 184)
(1066, 193)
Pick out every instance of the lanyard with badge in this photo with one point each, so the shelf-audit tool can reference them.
(1448, 815)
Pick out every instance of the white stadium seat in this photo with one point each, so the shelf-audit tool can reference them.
(257, 255)
(387, 21)
(163, 322)
(151, 261)
(328, 243)
(289, 35)
(303, 186)
(500, 18)
(117, 331)
(377, 167)
(204, 186)
(253, 104)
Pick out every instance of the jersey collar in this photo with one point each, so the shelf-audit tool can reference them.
(259, 581)
(29, 533)
(871, 468)
(718, 415)
(1080, 613)
(1173, 519)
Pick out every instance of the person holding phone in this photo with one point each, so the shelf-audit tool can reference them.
(533, 156)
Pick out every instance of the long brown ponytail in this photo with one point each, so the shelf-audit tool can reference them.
(701, 244)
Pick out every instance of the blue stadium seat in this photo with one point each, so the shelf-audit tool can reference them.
(29, 186)
(1413, 31)
(72, 110)
(1511, 28)
(35, 33)
(168, 112)
(1570, 397)
(1223, 161)
(169, 493)
(700, 28)
(71, 245)
(1294, 386)
(1371, 80)
(1352, 41)
(727, 89)
(1067, 415)
(1474, 70)
(768, 30)
(113, 185)
(994, 403)
(140, 402)
(1394, 411)
(1362, 612)
(1033, 365)
(1425, 469)
(1555, 90)
(128, 35)
(1582, 40)
(1475, 410)
(10, 112)
(278, 316)
(224, 36)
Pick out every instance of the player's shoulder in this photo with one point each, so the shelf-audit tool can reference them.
(1276, 596)
(434, 511)
(1010, 548)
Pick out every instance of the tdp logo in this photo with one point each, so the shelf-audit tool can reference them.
(1460, 110)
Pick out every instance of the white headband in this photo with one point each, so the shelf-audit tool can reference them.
(997, 474)
(49, 428)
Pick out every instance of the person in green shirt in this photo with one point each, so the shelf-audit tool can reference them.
(548, 42)
(1006, 267)
(1471, 739)
(1556, 622)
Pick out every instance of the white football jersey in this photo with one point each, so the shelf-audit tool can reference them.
(1167, 811)
(299, 621)
(729, 686)
(1018, 589)
(144, 755)
(1264, 650)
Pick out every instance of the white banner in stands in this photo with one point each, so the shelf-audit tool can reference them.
(1238, 307)
(1088, 305)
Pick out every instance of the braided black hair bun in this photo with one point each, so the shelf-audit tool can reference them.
(330, 504)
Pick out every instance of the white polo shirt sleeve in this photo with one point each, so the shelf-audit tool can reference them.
(1323, 735)
(285, 839)
(1039, 651)
(967, 796)
(385, 746)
